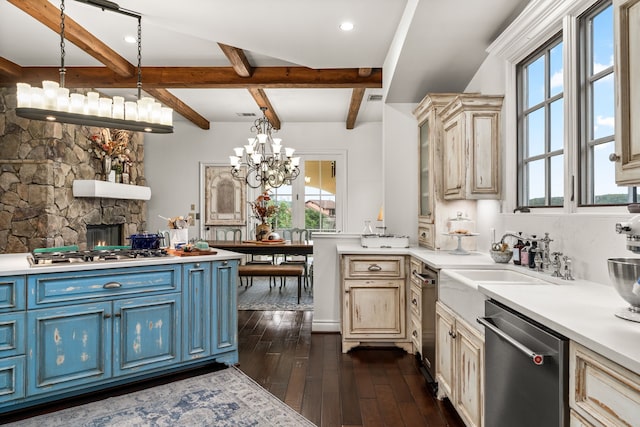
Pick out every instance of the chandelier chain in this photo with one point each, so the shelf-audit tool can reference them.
(62, 46)
(139, 84)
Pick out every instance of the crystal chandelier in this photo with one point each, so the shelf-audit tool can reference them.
(258, 167)
(52, 102)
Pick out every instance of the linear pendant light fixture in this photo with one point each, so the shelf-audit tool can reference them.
(52, 102)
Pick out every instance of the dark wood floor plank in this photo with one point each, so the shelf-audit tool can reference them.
(370, 414)
(388, 406)
(296, 384)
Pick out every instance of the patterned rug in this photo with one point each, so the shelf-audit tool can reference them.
(223, 398)
(260, 297)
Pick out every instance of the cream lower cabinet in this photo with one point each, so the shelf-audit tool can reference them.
(374, 301)
(601, 392)
(460, 365)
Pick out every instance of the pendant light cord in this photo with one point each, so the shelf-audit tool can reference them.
(62, 70)
(139, 57)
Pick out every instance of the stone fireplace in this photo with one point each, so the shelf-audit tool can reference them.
(38, 163)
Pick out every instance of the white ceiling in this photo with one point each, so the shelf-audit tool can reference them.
(442, 47)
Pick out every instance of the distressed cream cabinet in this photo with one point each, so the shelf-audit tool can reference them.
(374, 301)
(471, 147)
(430, 164)
(627, 67)
(460, 365)
(415, 306)
(601, 392)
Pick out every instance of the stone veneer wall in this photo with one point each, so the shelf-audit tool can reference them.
(38, 163)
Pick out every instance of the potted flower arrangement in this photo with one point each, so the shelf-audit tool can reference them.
(112, 147)
(263, 211)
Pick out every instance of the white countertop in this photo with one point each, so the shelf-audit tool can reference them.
(582, 311)
(17, 264)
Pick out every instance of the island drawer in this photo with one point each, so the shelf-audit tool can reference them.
(12, 326)
(73, 287)
(373, 266)
(12, 293)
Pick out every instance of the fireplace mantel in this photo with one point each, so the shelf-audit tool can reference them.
(109, 190)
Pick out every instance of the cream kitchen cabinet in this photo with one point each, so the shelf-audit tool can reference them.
(627, 89)
(471, 147)
(460, 365)
(415, 306)
(374, 301)
(601, 393)
(430, 165)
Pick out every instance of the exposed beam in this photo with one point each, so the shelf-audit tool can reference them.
(170, 100)
(205, 77)
(49, 15)
(238, 60)
(262, 101)
(9, 68)
(354, 106)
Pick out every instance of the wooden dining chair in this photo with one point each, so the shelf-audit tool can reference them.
(298, 236)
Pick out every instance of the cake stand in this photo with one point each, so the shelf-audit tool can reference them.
(459, 250)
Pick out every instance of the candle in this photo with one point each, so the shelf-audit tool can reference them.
(381, 214)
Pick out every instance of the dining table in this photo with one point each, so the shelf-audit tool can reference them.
(256, 247)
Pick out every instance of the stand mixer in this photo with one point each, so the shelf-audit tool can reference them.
(625, 272)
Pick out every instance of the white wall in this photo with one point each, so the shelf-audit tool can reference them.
(400, 159)
(172, 164)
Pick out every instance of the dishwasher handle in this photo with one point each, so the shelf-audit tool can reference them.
(536, 358)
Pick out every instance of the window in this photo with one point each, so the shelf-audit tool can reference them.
(313, 200)
(597, 131)
(541, 127)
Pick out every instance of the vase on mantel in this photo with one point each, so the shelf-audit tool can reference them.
(262, 231)
(106, 166)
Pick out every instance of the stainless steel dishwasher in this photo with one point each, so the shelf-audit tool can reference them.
(526, 371)
(428, 279)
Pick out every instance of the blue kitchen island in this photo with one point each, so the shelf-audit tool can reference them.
(69, 329)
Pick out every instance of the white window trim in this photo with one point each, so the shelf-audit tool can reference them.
(538, 22)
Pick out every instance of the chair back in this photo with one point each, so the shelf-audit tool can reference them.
(299, 235)
(229, 234)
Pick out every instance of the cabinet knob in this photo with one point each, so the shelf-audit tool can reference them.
(197, 265)
(415, 334)
(118, 314)
(375, 267)
(225, 262)
(107, 316)
(613, 157)
(414, 301)
(452, 334)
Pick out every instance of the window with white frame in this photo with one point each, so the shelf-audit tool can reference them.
(541, 126)
(597, 111)
(544, 90)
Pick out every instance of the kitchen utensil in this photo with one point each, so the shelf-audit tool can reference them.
(501, 257)
(624, 274)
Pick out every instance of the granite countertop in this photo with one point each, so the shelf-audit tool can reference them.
(581, 310)
(17, 264)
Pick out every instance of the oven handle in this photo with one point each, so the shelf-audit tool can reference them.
(422, 279)
(536, 358)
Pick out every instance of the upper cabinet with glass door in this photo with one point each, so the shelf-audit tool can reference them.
(429, 148)
(627, 67)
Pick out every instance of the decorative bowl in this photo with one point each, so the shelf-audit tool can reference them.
(624, 274)
(501, 257)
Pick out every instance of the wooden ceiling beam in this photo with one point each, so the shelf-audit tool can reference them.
(262, 101)
(238, 60)
(10, 68)
(170, 100)
(356, 99)
(204, 77)
(354, 107)
(49, 15)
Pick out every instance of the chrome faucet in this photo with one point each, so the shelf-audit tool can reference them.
(567, 268)
(546, 259)
(556, 264)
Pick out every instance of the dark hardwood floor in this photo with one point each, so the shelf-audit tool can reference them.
(365, 387)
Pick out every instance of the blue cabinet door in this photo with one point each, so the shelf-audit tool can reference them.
(11, 378)
(146, 333)
(68, 346)
(12, 327)
(12, 293)
(225, 309)
(196, 317)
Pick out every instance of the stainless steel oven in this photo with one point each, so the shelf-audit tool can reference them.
(428, 279)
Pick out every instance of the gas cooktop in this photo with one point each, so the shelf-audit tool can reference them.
(37, 259)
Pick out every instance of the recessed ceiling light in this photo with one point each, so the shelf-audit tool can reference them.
(130, 39)
(346, 26)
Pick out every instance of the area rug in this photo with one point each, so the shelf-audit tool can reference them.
(260, 297)
(223, 398)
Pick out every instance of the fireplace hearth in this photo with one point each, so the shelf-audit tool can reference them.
(104, 235)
